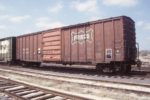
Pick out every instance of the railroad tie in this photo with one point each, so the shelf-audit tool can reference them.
(43, 97)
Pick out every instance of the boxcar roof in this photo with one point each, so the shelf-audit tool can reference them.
(80, 24)
(97, 21)
(38, 32)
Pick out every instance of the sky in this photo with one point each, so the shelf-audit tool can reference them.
(19, 17)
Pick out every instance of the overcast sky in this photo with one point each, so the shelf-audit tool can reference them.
(22, 16)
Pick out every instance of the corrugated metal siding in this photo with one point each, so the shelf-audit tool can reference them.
(51, 45)
(29, 47)
(99, 42)
(119, 40)
(99, 46)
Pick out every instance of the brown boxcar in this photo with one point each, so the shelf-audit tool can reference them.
(108, 44)
(28, 48)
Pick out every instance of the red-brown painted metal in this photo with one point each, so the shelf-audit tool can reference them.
(29, 47)
(51, 45)
(102, 41)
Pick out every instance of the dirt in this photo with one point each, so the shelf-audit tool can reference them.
(4, 96)
(91, 91)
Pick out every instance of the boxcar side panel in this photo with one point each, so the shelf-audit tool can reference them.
(51, 45)
(90, 43)
(31, 47)
(119, 40)
(99, 42)
(78, 44)
(81, 44)
(74, 45)
(67, 43)
(109, 41)
(28, 47)
(21, 48)
(39, 40)
(17, 48)
(35, 48)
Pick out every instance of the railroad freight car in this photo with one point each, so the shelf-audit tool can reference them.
(8, 50)
(28, 49)
(108, 44)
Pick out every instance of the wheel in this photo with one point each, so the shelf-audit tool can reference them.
(24, 64)
(123, 69)
(37, 64)
(99, 69)
(114, 70)
(8, 63)
(128, 68)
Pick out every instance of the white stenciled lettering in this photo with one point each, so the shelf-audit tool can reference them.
(81, 36)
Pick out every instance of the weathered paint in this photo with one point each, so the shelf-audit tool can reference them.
(29, 47)
(51, 45)
(102, 41)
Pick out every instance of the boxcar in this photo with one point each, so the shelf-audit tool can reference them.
(28, 49)
(109, 44)
(8, 50)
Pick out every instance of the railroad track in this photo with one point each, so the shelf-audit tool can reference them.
(126, 87)
(141, 76)
(22, 91)
(129, 86)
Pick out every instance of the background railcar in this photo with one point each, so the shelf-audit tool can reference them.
(8, 50)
